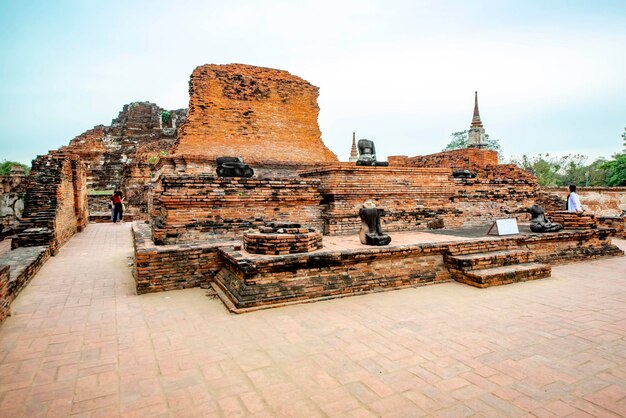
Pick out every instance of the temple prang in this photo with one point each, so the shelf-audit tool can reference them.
(476, 135)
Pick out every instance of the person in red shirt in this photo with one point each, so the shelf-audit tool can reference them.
(118, 206)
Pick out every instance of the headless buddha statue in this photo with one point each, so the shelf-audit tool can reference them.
(371, 233)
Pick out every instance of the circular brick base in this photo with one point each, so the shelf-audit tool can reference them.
(277, 239)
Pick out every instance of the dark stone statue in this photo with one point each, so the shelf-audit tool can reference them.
(232, 167)
(367, 154)
(371, 233)
(539, 223)
(463, 174)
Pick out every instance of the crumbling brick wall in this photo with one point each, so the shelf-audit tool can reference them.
(55, 204)
(421, 198)
(13, 188)
(196, 207)
(260, 114)
(472, 159)
(138, 135)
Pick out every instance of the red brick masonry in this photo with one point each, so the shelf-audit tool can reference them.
(249, 281)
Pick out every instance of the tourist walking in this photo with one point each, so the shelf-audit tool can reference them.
(118, 206)
(573, 201)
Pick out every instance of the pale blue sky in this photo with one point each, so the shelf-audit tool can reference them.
(550, 74)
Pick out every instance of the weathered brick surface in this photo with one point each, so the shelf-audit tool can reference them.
(572, 220)
(552, 248)
(167, 267)
(616, 222)
(289, 241)
(5, 294)
(12, 190)
(415, 198)
(196, 207)
(602, 201)
(462, 159)
(262, 281)
(260, 114)
(498, 276)
(55, 204)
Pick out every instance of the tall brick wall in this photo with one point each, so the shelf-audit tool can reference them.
(260, 114)
(55, 204)
(460, 159)
(189, 207)
(416, 198)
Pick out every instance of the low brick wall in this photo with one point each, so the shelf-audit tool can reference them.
(17, 268)
(459, 159)
(253, 282)
(168, 267)
(5, 294)
(571, 246)
(572, 220)
(616, 222)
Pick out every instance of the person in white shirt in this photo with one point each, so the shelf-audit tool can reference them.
(573, 201)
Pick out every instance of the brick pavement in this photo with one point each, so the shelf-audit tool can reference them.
(80, 343)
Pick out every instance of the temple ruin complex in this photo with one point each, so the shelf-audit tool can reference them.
(286, 232)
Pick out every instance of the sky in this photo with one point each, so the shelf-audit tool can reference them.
(550, 74)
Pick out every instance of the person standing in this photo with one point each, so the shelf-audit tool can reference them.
(573, 201)
(118, 206)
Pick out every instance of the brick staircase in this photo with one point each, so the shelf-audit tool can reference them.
(494, 268)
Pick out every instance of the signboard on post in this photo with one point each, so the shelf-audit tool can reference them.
(503, 227)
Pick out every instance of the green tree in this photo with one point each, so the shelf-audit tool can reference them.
(5, 167)
(563, 171)
(616, 170)
(459, 141)
(624, 139)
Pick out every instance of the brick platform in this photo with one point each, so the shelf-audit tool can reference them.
(167, 267)
(247, 281)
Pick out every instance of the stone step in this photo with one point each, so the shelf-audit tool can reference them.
(503, 275)
(486, 260)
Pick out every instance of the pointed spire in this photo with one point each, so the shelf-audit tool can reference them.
(354, 155)
(476, 122)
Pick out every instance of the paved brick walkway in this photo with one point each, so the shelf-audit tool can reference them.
(81, 343)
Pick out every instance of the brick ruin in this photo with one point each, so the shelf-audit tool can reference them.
(55, 203)
(260, 114)
(122, 154)
(198, 221)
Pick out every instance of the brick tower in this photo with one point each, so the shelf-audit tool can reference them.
(476, 134)
(354, 155)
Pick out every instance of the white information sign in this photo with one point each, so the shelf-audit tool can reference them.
(504, 227)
